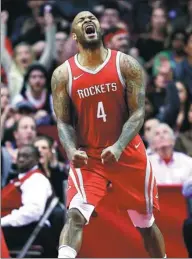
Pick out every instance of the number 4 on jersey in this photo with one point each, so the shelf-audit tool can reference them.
(100, 112)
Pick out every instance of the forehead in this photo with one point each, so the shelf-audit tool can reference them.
(25, 150)
(36, 72)
(41, 142)
(83, 15)
(26, 121)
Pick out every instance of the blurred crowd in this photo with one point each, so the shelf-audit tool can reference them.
(36, 38)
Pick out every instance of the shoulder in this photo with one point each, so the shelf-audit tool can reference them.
(60, 78)
(183, 157)
(130, 67)
(36, 179)
(61, 72)
(18, 98)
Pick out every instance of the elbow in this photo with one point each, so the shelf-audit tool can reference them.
(37, 213)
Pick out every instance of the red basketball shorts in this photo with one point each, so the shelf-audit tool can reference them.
(131, 179)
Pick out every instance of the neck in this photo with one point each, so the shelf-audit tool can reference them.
(165, 152)
(92, 58)
(157, 34)
(36, 95)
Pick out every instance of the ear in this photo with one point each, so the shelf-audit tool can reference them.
(74, 36)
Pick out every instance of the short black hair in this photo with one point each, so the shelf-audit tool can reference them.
(34, 150)
(46, 138)
(178, 32)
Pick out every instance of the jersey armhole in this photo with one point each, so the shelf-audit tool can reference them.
(119, 70)
(70, 78)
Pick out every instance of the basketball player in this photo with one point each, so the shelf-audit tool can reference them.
(98, 99)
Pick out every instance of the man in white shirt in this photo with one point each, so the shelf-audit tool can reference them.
(170, 168)
(24, 201)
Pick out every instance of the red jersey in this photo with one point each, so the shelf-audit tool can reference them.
(99, 101)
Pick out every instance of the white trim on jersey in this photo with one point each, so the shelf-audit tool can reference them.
(70, 77)
(151, 191)
(147, 178)
(98, 69)
(118, 69)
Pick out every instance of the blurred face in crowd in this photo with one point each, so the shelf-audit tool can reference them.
(36, 4)
(148, 108)
(120, 42)
(37, 81)
(4, 97)
(182, 92)
(26, 159)
(190, 114)
(149, 126)
(158, 19)
(160, 81)
(26, 131)
(162, 137)
(23, 56)
(86, 30)
(44, 150)
(178, 43)
(61, 38)
(188, 47)
(111, 16)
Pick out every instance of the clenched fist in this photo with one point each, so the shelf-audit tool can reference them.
(110, 154)
(78, 158)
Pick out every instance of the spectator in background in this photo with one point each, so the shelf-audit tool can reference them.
(149, 127)
(56, 171)
(117, 39)
(187, 226)
(170, 167)
(111, 17)
(24, 133)
(175, 54)
(23, 55)
(7, 112)
(35, 91)
(25, 23)
(186, 66)
(164, 98)
(184, 140)
(154, 40)
(182, 123)
(24, 204)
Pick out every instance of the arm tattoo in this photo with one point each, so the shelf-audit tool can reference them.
(62, 108)
(135, 94)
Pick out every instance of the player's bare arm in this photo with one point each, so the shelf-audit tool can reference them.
(135, 95)
(62, 108)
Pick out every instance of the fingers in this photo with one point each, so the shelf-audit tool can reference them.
(107, 157)
(80, 159)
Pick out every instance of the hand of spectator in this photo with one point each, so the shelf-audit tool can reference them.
(40, 114)
(13, 152)
(49, 19)
(8, 109)
(54, 159)
(4, 17)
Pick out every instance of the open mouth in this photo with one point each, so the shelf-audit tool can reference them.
(90, 29)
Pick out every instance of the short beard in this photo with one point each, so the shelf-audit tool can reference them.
(92, 45)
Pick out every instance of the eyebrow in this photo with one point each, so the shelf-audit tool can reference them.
(83, 18)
